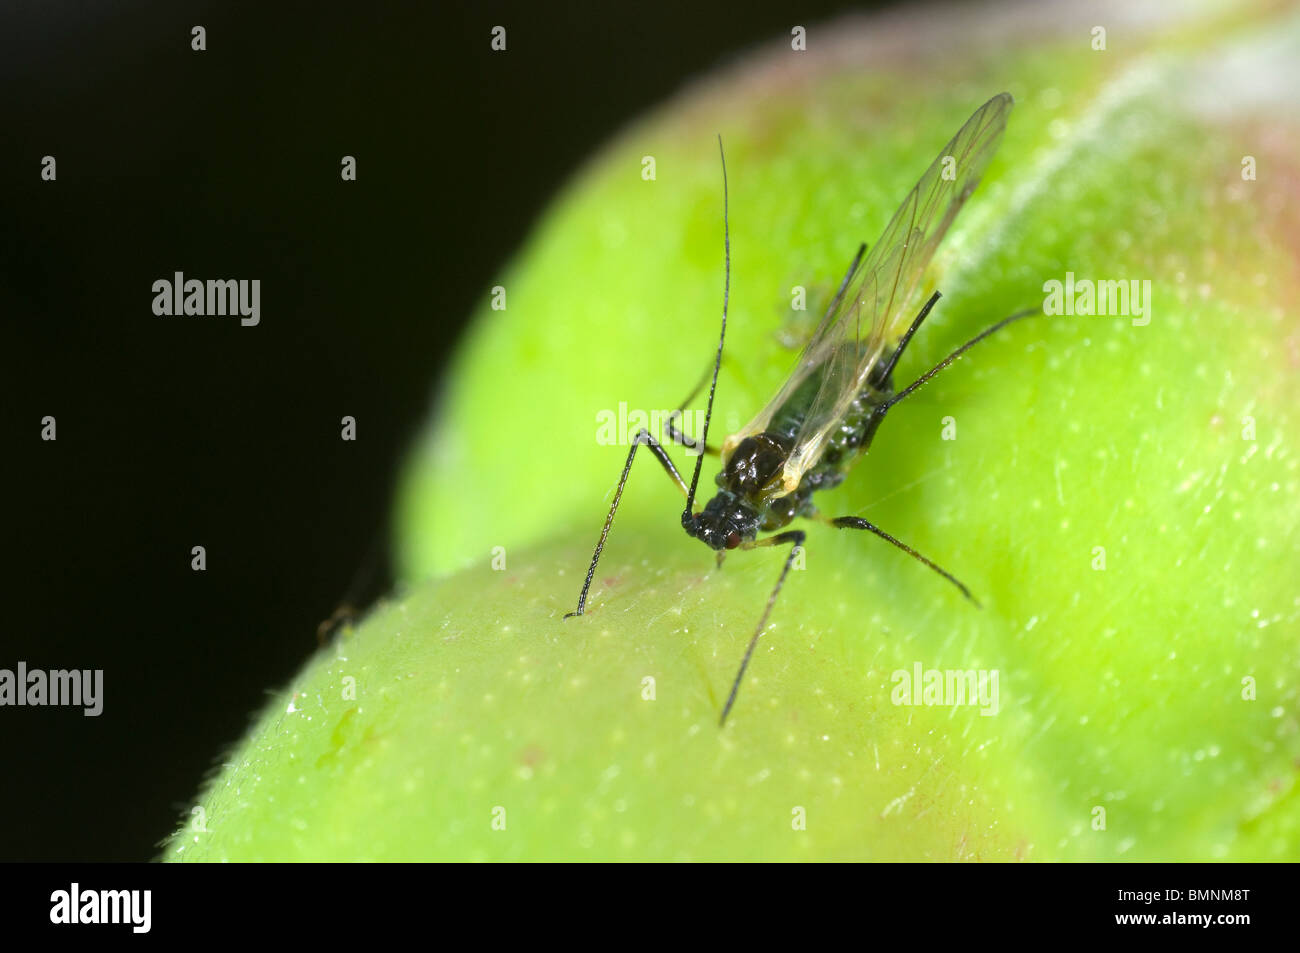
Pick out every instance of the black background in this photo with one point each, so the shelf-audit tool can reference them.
(183, 431)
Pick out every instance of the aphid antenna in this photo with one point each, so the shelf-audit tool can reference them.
(722, 335)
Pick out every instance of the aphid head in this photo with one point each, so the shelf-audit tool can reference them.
(724, 523)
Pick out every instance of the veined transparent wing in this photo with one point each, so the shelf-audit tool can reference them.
(881, 294)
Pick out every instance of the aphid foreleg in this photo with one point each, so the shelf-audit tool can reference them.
(857, 522)
(795, 537)
(642, 438)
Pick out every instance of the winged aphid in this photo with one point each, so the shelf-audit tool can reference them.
(826, 414)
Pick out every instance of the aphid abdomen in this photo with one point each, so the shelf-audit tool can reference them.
(856, 430)
(789, 417)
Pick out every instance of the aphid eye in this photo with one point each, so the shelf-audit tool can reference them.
(733, 540)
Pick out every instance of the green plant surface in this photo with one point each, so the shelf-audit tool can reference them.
(1121, 496)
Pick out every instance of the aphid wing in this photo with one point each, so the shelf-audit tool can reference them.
(879, 303)
(764, 416)
(938, 197)
(820, 345)
(859, 345)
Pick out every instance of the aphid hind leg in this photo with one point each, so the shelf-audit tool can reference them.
(857, 522)
(642, 438)
(796, 538)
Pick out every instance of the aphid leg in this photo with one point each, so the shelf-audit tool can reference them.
(796, 538)
(848, 276)
(678, 437)
(642, 438)
(857, 522)
(953, 356)
(670, 427)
